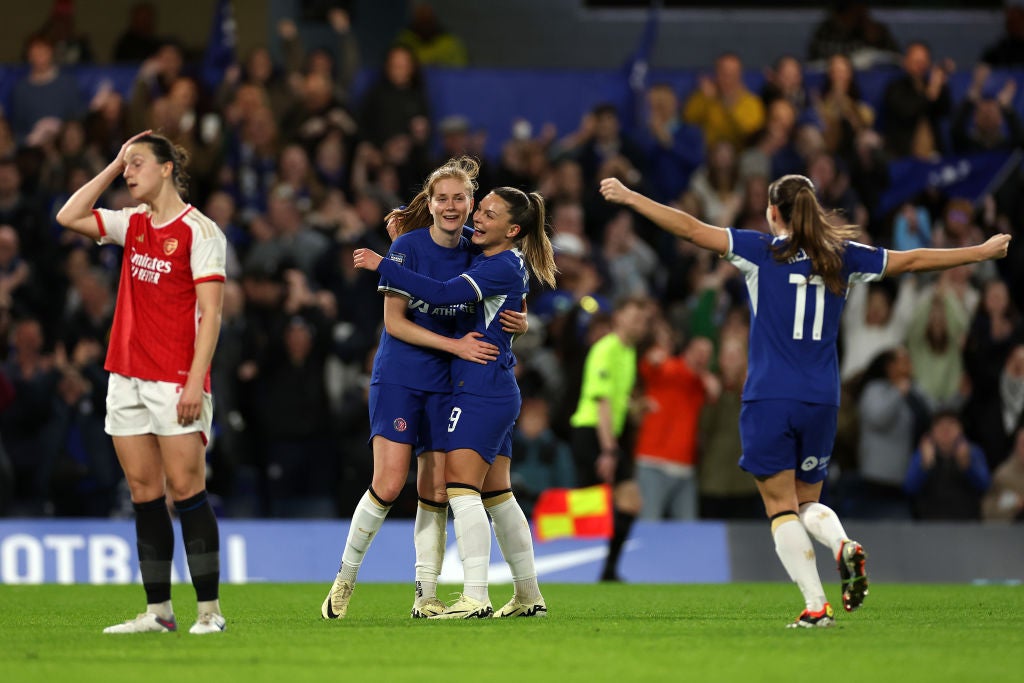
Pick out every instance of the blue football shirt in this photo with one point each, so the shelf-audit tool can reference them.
(408, 365)
(794, 321)
(495, 283)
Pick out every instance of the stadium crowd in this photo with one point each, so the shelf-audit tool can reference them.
(298, 171)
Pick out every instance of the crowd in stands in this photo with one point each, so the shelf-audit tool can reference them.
(298, 171)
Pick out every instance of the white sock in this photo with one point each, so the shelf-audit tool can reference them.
(161, 609)
(430, 535)
(793, 546)
(516, 543)
(822, 523)
(366, 522)
(208, 607)
(473, 535)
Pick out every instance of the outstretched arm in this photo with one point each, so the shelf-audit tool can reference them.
(917, 260)
(454, 291)
(671, 220)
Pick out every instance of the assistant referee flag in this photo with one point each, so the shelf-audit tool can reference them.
(579, 513)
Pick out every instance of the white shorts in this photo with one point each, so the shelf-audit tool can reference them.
(139, 406)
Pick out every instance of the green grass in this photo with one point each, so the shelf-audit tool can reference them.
(594, 633)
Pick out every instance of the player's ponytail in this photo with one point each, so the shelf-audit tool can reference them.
(810, 230)
(417, 213)
(527, 211)
(166, 151)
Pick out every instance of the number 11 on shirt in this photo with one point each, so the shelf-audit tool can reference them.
(799, 310)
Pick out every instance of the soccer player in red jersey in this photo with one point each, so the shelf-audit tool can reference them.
(165, 329)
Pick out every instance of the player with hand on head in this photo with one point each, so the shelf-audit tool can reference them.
(510, 233)
(165, 330)
(410, 386)
(797, 280)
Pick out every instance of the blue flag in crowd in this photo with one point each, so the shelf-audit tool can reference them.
(638, 65)
(220, 49)
(971, 176)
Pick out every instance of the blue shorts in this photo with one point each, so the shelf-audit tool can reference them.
(483, 424)
(780, 434)
(404, 415)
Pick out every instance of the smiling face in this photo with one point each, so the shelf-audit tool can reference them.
(143, 174)
(492, 224)
(450, 204)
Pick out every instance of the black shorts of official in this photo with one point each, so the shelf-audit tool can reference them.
(586, 446)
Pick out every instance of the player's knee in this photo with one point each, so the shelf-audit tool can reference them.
(387, 488)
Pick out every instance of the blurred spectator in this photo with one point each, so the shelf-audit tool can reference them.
(947, 475)
(841, 109)
(876, 319)
(139, 40)
(834, 191)
(850, 29)
(893, 414)
(301, 465)
(984, 123)
(154, 80)
(70, 46)
(600, 139)
(317, 114)
(1008, 51)
(340, 63)
(250, 162)
(675, 388)
(429, 41)
(631, 263)
(755, 197)
(723, 107)
(912, 228)
(26, 423)
(916, 104)
(1004, 501)
(995, 417)
(934, 340)
(44, 93)
(726, 491)
(359, 313)
(672, 149)
(996, 329)
(19, 286)
(396, 102)
(772, 153)
(542, 460)
(957, 226)
(86, 471)
(295, 172)
(785, 81)
(90, 313)
(716, 184)
(869, 173)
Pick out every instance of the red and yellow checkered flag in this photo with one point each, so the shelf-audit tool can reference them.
(579, 513)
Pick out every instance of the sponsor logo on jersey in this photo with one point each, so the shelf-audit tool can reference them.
(170, 245)
(400, 424)
(397, 258)
(147, 268)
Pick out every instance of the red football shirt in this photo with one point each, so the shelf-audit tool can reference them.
(153, 336)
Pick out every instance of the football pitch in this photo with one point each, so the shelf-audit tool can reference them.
(616, 632)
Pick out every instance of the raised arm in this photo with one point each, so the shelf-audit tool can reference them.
(76, 214)
(917, 260)
(667, 218)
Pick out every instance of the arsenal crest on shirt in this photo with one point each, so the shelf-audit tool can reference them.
(170, 245)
